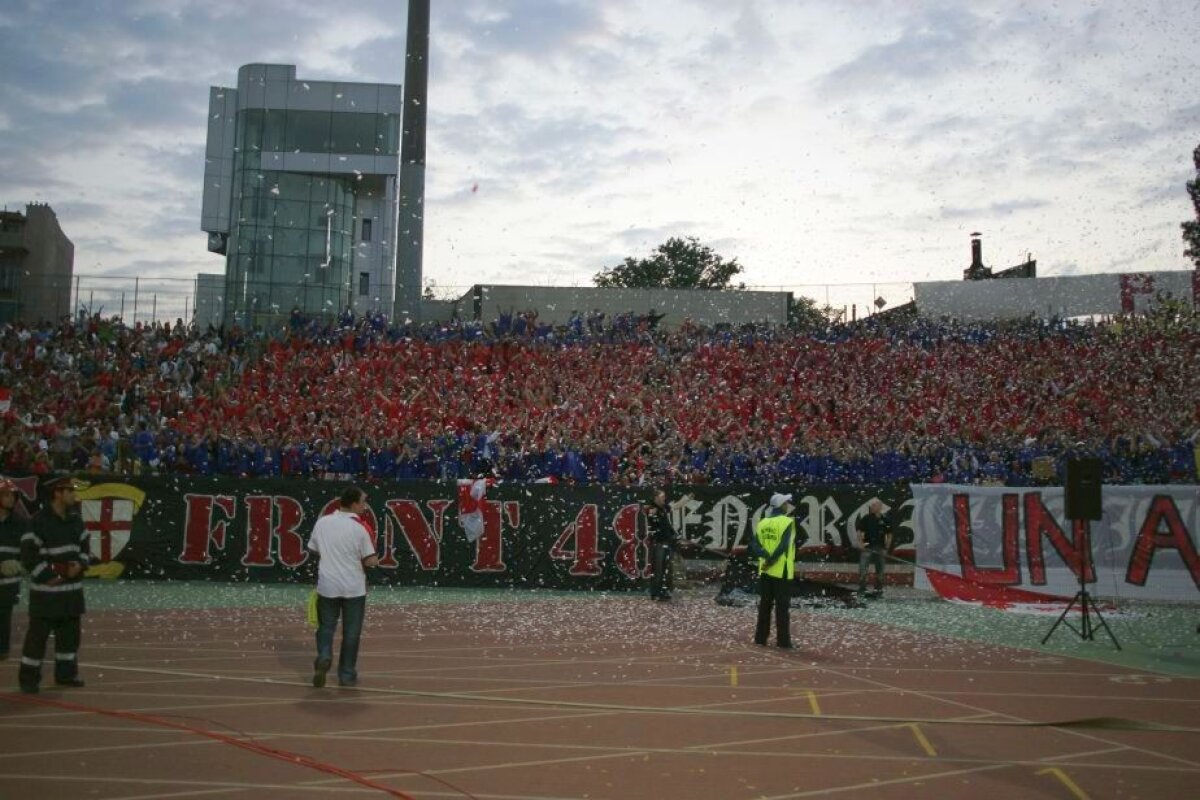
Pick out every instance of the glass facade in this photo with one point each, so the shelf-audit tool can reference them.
(291, 240)
(346, 133)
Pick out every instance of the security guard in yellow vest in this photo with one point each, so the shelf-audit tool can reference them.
(776, 535)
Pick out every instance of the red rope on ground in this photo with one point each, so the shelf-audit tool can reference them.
(253, 747)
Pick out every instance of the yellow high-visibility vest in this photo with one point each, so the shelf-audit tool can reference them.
(770, 533)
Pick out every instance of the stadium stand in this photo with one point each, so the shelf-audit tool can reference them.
(613, 400)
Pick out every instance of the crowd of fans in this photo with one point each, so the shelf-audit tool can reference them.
(607, 400)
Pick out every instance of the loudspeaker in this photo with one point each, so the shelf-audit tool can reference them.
(1083, 488)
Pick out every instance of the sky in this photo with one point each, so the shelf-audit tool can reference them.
(852, 145)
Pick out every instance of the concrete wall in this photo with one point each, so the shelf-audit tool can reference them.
(1067, 296)
(375, 202)
(555, 304)
(439, 310)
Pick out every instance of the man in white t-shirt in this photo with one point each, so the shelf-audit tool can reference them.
(346, 550)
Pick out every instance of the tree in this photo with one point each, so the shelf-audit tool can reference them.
(676, 264)
(804, 314)
(1191, 230)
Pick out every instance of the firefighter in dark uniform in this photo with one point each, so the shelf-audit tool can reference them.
(11, 528)
(55, 552)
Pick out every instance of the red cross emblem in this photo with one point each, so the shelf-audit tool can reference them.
(109, 520)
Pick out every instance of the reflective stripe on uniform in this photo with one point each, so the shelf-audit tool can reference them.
(64, 656)
(8, 581)
(62, 587)
(31, 662)
(60, 550)
(33, 537)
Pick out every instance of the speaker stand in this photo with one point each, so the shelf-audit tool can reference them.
(1087, 608)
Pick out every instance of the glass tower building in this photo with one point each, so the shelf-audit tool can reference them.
(300, 192)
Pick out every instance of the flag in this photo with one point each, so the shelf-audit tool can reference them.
(5, 399)
(470, 507)
(310, 610)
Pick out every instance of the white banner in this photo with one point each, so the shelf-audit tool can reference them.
(1144, 547)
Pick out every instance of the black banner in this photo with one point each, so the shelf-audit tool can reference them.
(539, 536)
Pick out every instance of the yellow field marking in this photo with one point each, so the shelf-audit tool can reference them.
(921, 740)
(812, 702)
(1066, 780)
(733, 676)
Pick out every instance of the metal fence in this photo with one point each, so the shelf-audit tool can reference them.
(133, 298)
(149, 299)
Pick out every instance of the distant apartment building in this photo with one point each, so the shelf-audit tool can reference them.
(37, 263)
(300, 192)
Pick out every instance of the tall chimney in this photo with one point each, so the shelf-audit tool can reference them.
(977, 271)
(410, 227)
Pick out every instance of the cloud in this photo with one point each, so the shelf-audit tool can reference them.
(814, 141)
(532, 28)
(933, 46)
(993, 209)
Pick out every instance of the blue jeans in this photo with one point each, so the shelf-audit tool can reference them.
(866, 557)
(352, 610)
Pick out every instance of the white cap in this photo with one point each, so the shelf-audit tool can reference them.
(777, 500)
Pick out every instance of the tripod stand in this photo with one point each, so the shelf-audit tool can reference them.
(1087, 607)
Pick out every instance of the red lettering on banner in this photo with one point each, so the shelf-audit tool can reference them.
(387, 559)
(1150, 539)
(26, 487)
(271, 519)
(198, 527)
(489, 548)
(512, 512)
(1010, 572)
(1040, 522)
(632, 555)
(289, 515)
(424, 540)
(26, 490)
(584, 532)
(258, 532)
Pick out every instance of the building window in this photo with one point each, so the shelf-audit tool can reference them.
(366, 230)
(364, 284)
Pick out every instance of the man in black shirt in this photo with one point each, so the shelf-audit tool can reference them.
(662, 540)
(874, 540)
(55, 551)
